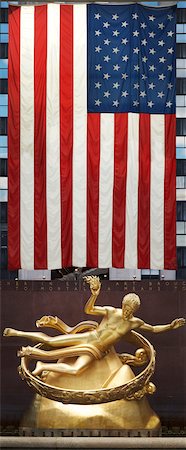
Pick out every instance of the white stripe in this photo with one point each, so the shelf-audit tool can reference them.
(157, 192)
(27, 137)
(79, 137)
(132, 192)
(106, 190)
(53, 139)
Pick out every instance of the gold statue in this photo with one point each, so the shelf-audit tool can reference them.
(104, 393)
(86, 345)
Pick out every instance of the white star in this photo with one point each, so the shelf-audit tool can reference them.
(98, 67)
(136, 33)
(152, 68)
(144, 59)
(162, 59)
(98, 49)
(124, 24)
(106, 58)
(135, 16)
(161, 43)
(136, 50)
(106, 24)
(97, 33)
(143, 94)
(152, 86)
(161, 26)
(170, 50)
(144, 42)
(161, 77)
(170, 17)
(116, 33)
(170, 68)
(116, 85)
(106, 76)
(150, 104)
(143, 77)
(135, 103)
(124, 41)
(170, 33)
(106, 41)
(115, 17)
(136, 67)
(170, 85)
(152, 18)
(152, 34)
(106, 94)
(136, 86)
(152, 51)
(124, 94)
(116, 67)
(161, 94)
(97, 102)
(143, 25)
(124, 76)
(125, 58)
(98, 85)
(168, 104)
(115, 50)
(97, 16)
(115, 103)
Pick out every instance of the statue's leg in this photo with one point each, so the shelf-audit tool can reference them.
(38, 353)
(55, 354)
(81, 363)
(66, 340)
(56, 341)
(34, 336)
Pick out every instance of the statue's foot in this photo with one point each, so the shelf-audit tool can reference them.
(25, 351)
(38, 369)
(9, 332)
(44, 374)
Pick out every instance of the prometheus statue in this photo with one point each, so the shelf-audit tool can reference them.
(88, 340)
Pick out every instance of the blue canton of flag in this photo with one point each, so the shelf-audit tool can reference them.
(131, 59)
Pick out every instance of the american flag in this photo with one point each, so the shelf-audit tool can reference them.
(92, 136)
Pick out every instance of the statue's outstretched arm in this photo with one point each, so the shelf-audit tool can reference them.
(95, 286)
(160, 328)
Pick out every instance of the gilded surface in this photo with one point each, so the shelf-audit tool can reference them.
(134, 389)
(77, 349)
(119, 414)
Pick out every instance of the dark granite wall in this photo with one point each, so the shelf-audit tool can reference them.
(22, 303)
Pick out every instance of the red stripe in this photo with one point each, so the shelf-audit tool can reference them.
(144, 193)
(93, 162)
(14, 139)
(40, 213)
(170, 193)
(119, 192)
(66, 129)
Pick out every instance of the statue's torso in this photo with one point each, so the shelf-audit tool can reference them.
(111, 329)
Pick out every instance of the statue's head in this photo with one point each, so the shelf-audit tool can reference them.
(130, 303)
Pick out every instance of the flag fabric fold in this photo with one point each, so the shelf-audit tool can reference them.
(92, 169)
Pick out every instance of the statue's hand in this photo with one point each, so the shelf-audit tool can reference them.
(95, 284)
(177, 323)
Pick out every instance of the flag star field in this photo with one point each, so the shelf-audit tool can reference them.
(131, 59)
